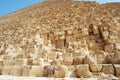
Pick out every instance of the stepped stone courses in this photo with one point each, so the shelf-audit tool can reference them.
(62, 38)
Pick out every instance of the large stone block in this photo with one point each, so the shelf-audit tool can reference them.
(113, 58)
(117, 69)
(25, 71)
(60, 71)
(68, 61)
(83, 71)
(60, 43)
(117, 46)
(71, 72)
(109, 48)
(96, 67)
(49, 70)
(89, 60)
(51, 55)
(18, 62)
(6, 70)
(36, 71)
(77, 60)
(108, 69)
(16, 71)
(1, 63)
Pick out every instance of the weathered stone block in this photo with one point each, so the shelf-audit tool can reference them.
(51, 55)
(16, 71)
(105, 35)
(108, 69)
(117, 69)
(19, 62)
(117, 46)
(6, 70)
(113, 58)
(49, 70)
(109, 48)
(60, 71)
(77, 60)
(1, 63)
(89, 60)
(96, 67)
(68, 61)
(60, 44)
(36, 71)
(25, 71)
(83, 71)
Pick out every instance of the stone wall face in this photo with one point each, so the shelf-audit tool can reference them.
(64, 39)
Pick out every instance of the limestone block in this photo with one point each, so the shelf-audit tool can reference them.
(6, 70)
(8, 63)
(42, 54)
(19, 62)
(113, 35)
(70, 38)
(117, 69)
(68, 61)
(83, 71)
(60, 44)
(109, 48)
(60, 33)
(89, 60)
(62, 37)
(77, 60)
(105, 35)
(107, 68)
(71, 72)
(25, 55)
(60, 71)
(1, 63)
(36, 62)
(28, 61)
(57, 62)
(69, 32)
(96, 67)
(25, 71)
(7, 57)
(36, 71)
(51, 55)
(49, 70)
(117, 46)
(113, 58)
(16, 71)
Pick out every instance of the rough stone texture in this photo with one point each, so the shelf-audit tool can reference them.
(117, 69)
(113, 58)
(16, 71)
(108, 69)
(68, 61)
(60, 71)
(83, 71)
(36, 71)
(61, 33)
(25, 71)
(6, 70)
(96, 67)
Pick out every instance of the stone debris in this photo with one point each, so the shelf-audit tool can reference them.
(62, 39)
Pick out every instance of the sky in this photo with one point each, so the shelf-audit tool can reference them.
(9, 6)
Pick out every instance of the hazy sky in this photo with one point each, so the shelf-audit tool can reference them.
(8, 6)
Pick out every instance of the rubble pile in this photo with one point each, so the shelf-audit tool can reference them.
(62, 39)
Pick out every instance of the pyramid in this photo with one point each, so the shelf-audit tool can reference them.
(62, 38)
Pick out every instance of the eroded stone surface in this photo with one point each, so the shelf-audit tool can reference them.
(73, 37)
